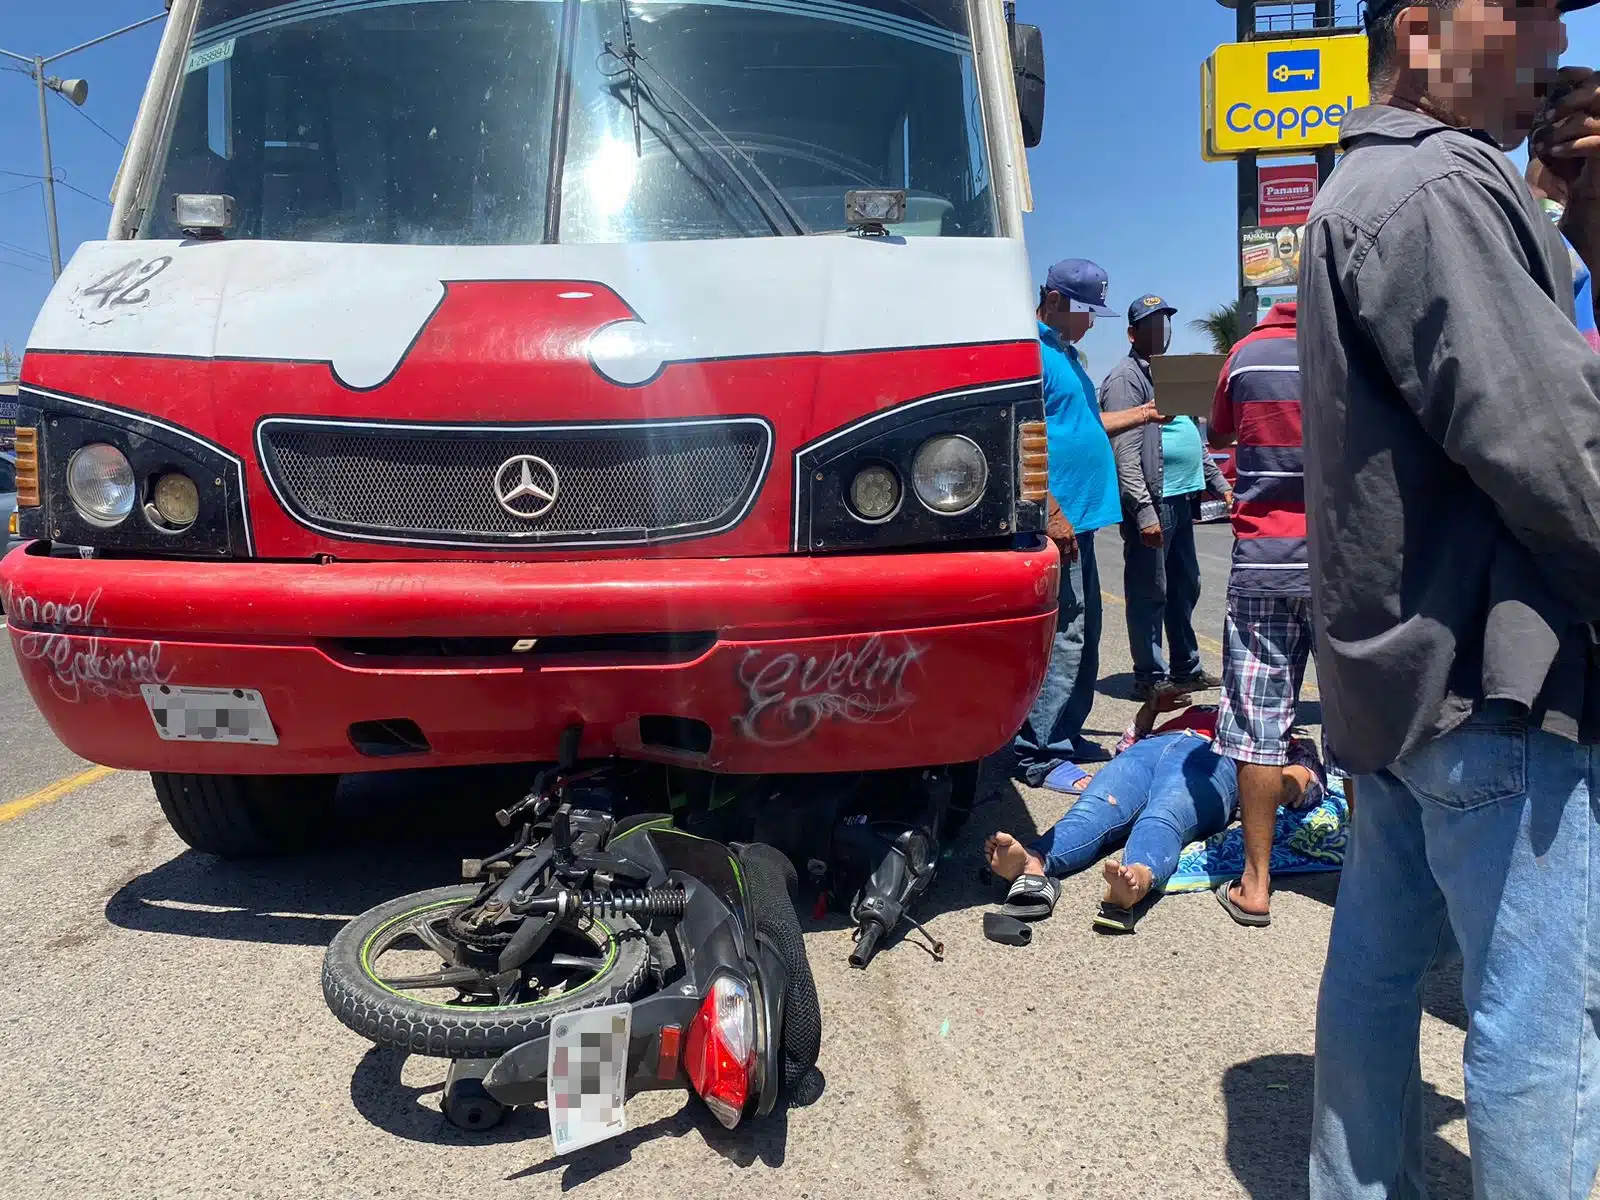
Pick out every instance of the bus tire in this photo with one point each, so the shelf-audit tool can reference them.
(245, 816)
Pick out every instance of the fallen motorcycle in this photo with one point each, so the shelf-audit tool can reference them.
(591, 959)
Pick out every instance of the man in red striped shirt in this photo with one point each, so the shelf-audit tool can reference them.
(1268, 630)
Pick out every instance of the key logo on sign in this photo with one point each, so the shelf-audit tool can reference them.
(1294, 71)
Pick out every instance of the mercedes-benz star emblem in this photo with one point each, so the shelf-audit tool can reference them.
(526, 486)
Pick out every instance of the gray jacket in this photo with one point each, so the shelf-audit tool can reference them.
(1140, 468)
(1452, 437)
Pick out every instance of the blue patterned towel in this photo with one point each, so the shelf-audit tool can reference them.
(1303, 843)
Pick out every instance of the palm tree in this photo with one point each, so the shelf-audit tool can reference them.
(1221, 325)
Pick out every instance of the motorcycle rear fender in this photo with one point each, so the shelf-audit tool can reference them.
(519, 1075)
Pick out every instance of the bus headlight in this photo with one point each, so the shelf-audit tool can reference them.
(950, 473)
(100, 483)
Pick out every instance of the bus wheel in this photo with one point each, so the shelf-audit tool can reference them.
(245, 816)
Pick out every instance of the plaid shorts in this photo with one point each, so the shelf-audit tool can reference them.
(1267, 642)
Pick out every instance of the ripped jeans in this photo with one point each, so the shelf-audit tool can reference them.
(1154, 798)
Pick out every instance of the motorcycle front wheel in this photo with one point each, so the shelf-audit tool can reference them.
(387, 976)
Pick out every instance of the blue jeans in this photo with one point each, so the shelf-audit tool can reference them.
(1484, 839)
(1162, 588)
(1157, 796)
(1051, 734)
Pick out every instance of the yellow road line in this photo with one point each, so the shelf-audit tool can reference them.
(1211, 644)
(58, 789)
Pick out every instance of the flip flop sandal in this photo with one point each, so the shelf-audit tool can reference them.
(1069, 779)
(1112, 919)
(1032, 898)
(1249, 920)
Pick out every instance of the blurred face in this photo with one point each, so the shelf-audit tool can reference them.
(1056, 312)
(1152, 335)
(1487, 63)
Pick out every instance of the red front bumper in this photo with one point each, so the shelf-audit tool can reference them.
(818, 664)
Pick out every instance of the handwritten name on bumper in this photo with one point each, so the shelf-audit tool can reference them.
(79, 665)
(789, 695)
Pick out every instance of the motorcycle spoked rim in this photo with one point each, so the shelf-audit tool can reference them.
(367, 968)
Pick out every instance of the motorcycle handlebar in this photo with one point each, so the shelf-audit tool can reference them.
(867, 944)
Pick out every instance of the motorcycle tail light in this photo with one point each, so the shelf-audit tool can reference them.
(1034, 452)
(719, 1052)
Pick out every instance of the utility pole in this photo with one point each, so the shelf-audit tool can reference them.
(49, 173)
(76, 91)
(1249, 189)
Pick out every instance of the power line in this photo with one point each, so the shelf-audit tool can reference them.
(23, 250)
(93, 122)
(21, 187)
(86, 195)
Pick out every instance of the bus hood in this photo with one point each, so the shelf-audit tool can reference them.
(361, 308)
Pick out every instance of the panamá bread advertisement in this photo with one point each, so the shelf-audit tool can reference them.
(1271, 257)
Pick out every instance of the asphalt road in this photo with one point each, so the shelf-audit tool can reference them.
(163, 1034)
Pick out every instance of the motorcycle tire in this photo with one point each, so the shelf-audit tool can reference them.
(770, 886)
(441, 1029)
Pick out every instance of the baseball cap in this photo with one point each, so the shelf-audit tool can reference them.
(1383, 8)
(1148, 305)
(1083, 283)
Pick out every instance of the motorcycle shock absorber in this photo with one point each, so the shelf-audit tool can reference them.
(644, 903)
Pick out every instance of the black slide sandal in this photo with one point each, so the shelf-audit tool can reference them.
(1008, 931)
(1032, 898)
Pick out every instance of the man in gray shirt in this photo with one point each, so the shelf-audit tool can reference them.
(1452, 439)
(1160, 565)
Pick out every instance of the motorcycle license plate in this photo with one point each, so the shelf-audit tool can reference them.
(587, 1076)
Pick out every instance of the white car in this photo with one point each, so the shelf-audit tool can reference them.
(1215, 510)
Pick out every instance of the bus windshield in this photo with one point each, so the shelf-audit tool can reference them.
(432, 122)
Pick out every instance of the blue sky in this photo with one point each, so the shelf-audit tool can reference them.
(1119, 178)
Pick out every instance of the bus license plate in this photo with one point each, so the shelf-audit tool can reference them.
(201, 714)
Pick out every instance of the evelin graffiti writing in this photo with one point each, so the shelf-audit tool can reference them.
(789, 695)
(79, 665)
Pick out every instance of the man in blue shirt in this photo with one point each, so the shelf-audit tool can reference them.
(1083, 498)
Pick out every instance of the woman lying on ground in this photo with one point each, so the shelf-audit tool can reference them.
(1164, 789)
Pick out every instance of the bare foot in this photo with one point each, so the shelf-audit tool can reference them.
(1010, 859)
(1126, 885)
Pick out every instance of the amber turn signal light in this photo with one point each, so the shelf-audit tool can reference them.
(1033, 450)
(27, 467)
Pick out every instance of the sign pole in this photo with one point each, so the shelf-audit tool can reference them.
(1249, 187)
(1325, 18)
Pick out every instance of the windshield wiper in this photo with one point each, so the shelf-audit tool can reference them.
(630, 59)
(767, 197)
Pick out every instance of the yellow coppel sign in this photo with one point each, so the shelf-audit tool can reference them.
(1282, 96)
